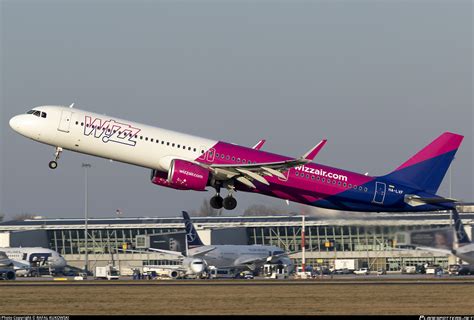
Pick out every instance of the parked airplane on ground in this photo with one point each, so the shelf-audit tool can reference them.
(186, 162)
(24, 259)
(232, 256)
(465, 249)
(200, 257)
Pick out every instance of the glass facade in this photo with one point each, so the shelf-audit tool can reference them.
(99, 241)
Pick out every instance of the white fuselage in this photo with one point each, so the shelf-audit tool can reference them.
(23, 258)
(239, 256)
(465, 253)
(109, 137)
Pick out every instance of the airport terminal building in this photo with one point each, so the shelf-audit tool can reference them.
(378, 240)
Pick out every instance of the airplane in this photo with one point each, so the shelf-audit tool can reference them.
(444, 244)
(6, 267)
(24, 259)
(200, 258)
(465, 249)
(187, 162)
(232, 256)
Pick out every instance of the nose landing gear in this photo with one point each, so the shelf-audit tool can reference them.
(54, 163)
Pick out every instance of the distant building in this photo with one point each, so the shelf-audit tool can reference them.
(373, 239)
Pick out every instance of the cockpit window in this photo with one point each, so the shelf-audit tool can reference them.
(37, 113)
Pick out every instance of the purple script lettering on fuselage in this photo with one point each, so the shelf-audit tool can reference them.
(111, 130)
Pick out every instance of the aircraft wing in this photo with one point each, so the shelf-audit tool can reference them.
(246, 173)
(252, 260)
(444, 251)
(201, 252)
(174, 253)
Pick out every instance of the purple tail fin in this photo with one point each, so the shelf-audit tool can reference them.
(426, 169)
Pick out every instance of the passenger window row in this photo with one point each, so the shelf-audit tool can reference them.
(157, 141)
(332, 181)
(173, 145)
(228, 157)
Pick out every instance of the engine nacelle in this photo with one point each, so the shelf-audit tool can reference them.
(182, 175)
(7, 275)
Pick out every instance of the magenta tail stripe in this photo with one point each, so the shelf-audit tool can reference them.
(445, 143)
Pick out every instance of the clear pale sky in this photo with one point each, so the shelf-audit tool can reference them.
(378, 79)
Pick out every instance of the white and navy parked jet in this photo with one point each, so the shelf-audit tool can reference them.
(24, 259)
(465, 249)
(238, 257)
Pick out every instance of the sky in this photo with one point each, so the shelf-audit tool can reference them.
(378, 79)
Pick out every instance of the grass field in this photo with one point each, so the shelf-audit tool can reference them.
(240, 299)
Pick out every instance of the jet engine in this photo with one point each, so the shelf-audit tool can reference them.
(173, 274)
(7, 275)
(182, 175)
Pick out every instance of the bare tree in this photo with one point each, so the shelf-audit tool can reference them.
(206, 210)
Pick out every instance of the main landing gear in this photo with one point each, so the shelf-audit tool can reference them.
(229, 203)
(54, 163)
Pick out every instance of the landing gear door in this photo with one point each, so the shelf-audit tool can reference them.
(380, 190)
(65, 122)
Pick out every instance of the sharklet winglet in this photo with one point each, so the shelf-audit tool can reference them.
(313, 152)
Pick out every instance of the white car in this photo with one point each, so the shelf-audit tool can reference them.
(362, 271)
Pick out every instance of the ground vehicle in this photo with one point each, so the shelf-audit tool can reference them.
(454, 269)
(304, 275)
(409, 269)
(349, 264)
(435, 270)
(221, 273)
(465, 270)
(244, 275)
(381, 271)
(343, 271)
(108, 272)
(362, 271)
(420, 269)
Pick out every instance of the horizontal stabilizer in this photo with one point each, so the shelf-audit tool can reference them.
(414, 200)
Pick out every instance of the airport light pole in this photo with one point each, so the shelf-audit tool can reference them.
(303, 257)
(86, 166)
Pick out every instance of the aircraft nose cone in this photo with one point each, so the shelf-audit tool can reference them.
(15, 123)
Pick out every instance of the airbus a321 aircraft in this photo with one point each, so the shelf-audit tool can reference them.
(186, 162)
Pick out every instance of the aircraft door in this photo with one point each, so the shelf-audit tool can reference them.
(380, 190)
(65, 122)
(209, 154)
